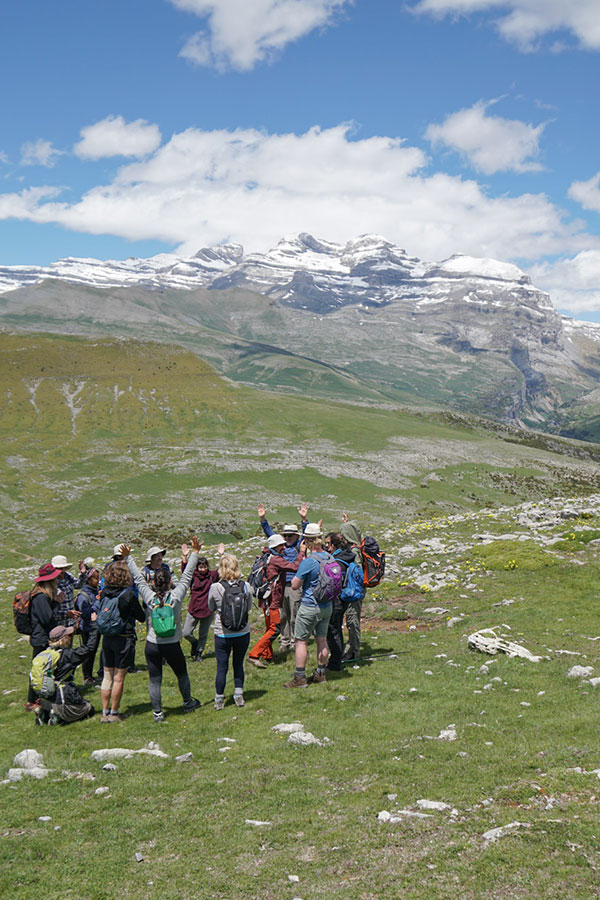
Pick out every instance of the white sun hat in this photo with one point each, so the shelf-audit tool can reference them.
(60, 562)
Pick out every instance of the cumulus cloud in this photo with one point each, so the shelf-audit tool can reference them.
(525, 22)
(206, 187)
(113, 136)
(241, 33)
(39, 153)
(573, 283)
(587, 193)
(490, 143)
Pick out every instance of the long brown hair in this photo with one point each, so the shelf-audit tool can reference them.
(116, 575)
(47, 587)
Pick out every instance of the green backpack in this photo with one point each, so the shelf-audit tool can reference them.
(164, 622)
(41, 677)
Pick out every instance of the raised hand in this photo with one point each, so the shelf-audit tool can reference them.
(221, 549)
(196, 544)
(345, 517)
(82, 566)
(261, 510)
(303, 509)
(124, 550)
(185, 551)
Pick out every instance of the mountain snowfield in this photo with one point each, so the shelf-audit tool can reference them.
(300, 271)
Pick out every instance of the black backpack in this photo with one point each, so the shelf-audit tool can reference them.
(234, 606)
(257, 579)
(373, 561)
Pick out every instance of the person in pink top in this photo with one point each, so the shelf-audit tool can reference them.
(198, 611)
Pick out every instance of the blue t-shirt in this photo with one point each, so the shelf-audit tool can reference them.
(308, 572)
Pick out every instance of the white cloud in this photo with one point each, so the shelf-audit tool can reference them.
(206, 187)
(490, 143)
(114, 136)
(587, 193)
(241, 33)
(39, 153)
(524, 22)
(573, 284)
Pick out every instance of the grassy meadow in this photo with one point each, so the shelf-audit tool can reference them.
(106, 439)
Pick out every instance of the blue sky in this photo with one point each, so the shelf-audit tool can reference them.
(448, 126)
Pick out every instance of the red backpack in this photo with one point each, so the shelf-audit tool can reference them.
(373, 561)
(22, 611)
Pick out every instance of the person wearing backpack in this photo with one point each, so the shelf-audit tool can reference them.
(277, 570)
(119, 611)
(42, 615)
(198, 612)
(87, 603)
(231, 600)
(163, 622)
(352, 592)
(51, 677)
(291, 599)
(320, 577)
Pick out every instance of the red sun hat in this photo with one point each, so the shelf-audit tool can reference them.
(47, 572)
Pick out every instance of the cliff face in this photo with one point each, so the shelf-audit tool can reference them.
(363, 319)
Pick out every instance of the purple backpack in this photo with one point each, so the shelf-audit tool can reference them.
(331, 580)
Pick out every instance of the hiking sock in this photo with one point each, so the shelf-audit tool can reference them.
(238, 692)
(114, 712)
(185, 688)
(106, 712)
(219, 697)
(321, 670)
(300, 673)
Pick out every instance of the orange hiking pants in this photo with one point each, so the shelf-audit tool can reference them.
(264, 647)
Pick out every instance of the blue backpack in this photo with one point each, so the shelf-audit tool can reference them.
(109, 620)
(354, 585)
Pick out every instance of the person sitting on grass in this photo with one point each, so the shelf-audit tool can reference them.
(198, 612)
(278, 569)
(118, 650)
(231, 600)
(51, 677)
(165, 646)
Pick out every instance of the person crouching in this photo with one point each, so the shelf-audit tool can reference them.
(51, 674)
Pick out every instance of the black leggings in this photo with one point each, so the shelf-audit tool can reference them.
(173, 655)
(223, 647)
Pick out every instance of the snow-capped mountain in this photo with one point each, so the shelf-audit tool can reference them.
(306, 273)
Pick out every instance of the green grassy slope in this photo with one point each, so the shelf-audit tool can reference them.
(105, 437)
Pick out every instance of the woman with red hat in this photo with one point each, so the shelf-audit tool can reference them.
(42, 610)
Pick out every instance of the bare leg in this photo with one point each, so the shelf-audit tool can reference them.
(322, 650)
(302, 653)
(106, 688)
(117, 688)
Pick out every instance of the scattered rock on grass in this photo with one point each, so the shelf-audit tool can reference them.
(288, 727)
(495, 834)
(580, 671)
(304, 739)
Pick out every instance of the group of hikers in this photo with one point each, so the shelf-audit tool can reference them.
(305, 582)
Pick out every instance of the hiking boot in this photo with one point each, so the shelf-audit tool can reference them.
(318, 679)
(219, 703)
(191, 705)
(296, 682)
(159, 717)
(115, 717)
(32, 705)
(41, 716)
(238, 699)
(257, 661)
(90, 682)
